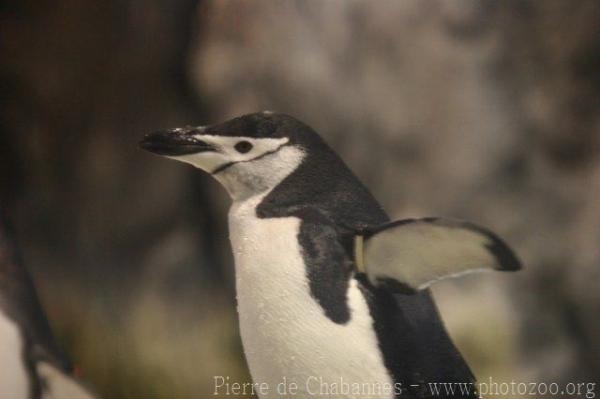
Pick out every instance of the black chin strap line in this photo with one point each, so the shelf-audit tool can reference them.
(226, 165)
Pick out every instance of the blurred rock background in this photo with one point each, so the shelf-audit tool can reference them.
(486, 111)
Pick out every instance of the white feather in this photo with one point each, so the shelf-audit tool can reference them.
(58, 385)
(14, 380)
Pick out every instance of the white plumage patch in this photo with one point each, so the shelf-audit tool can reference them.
(284, 330)
(58, 385)
(14, 380)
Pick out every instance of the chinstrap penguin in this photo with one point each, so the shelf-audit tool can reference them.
(305, 314)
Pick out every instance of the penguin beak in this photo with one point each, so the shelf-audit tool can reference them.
(174, 142)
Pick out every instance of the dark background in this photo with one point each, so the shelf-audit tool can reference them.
(486, 111)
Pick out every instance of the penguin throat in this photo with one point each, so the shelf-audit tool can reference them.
(248, 179)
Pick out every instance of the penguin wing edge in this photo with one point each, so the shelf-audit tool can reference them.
(412, 254)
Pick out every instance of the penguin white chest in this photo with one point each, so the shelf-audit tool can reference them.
(14, 380)
(285, 332)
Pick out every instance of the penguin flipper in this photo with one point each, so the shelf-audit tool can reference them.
(328, 263)
(412, 254)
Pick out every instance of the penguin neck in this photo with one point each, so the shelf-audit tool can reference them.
(248, 180)
(324, 182)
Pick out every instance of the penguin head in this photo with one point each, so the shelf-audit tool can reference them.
(248, 155)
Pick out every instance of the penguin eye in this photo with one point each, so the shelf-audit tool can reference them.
(243, 146)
